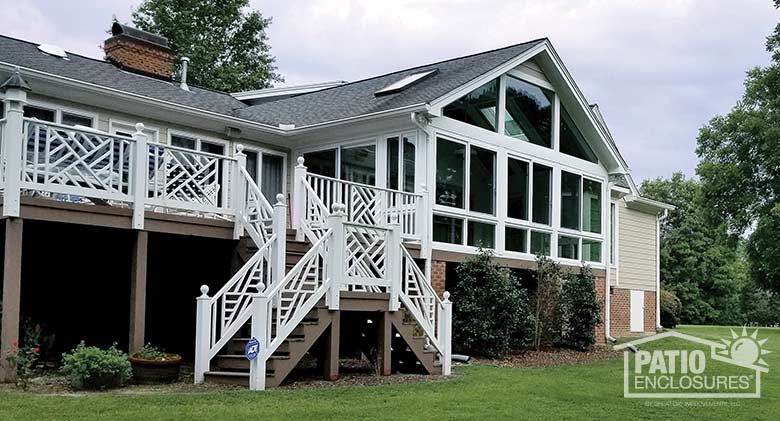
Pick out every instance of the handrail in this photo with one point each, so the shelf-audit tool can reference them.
(191, 151)
(89, 130)
(428, 322)
(367, 186)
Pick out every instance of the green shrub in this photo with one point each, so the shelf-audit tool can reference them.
(89, 367)
(580, 309)
(491, 312)
(546, 303)
(670, 309)
(151, 353)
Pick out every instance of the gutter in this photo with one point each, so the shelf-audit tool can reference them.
(608, 275)
(658, 268)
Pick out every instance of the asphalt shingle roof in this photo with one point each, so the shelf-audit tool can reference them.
(26, 54)
(357, 98)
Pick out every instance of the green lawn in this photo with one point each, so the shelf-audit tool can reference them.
(582, 392)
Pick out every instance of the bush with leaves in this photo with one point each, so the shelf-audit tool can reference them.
(89, 367)
(670, 309)
(546, 303)
(580, 310)
(491, 315)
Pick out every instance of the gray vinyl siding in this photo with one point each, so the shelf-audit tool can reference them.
(637, 239)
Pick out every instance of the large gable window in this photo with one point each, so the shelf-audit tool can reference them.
(572, 141)
(477, 108)
(450, 173)
(528, 113)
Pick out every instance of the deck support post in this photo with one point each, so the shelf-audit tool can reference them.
(13, 139)
(330, 366)
(299, 198)
(202, 335)
(385, 338)
(138, 291)
(12, 285)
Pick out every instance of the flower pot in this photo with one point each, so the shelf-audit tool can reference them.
(155, 371)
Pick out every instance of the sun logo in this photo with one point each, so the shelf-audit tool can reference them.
(745, 349)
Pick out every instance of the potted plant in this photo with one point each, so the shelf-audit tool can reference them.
(152, 365)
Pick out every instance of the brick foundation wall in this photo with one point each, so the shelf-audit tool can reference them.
(620, 313)
(139, 56)
(599, 329)
(438, 276)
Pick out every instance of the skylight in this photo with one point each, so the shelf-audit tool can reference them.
(53, 50)
(404, 83)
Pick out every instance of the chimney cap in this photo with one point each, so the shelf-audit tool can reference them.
(118, 29)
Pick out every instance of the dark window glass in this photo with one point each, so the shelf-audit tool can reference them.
(184, 142)
(76, 120)
(477, 108)
(321, 162)
(570, 200)
(591, 250)
(568, 247)
(39, 113)
(251, 164)
(358, 164)
(215, 148)
(482, 176)
(515, 239)
(540, 243)
(409, 159)
(572, 141)
(450, 173)
(517, 189)
(482, 235)
(542, 180)
(591, 206)
(2, 109)
(271, 176)
(528, 114)
(392, 163)
(447, 230)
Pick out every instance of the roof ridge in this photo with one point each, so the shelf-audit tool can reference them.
(422, 66)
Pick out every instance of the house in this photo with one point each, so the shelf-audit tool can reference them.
(299, 208)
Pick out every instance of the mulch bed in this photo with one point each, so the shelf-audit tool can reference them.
(550, 357)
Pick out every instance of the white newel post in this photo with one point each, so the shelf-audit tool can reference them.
(335, 255)
(394, 261)
(421, 218)
(445, 339)
(13, 138)
(202, 334)
(238, 202)
(280, 247)
(140, 173)
(257, 366)
(299, 198)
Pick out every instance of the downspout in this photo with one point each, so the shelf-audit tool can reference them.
(608, 266)
(658, 268)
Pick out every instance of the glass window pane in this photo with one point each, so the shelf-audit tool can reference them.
(450, 173)
(517, 189)
(410, 157)
(572, 141)
(321, 162)
(271, 179)
(591, 250)
(184, 142)
(516, 239)
(568, 247)
(251, 164)
(392, 163)
(542, 181)
(591, 206)
(76, 120)
(39, 113)
(215, 148)
(481, 235)
(358, 164)
(570, 200)
(447, 230)
(477, 108)
(482, 176)
(528, 113)
(540, 243)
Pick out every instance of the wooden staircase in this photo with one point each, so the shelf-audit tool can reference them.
(411, 352)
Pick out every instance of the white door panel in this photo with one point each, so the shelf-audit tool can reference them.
(637, 311)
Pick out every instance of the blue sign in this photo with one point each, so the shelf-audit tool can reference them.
(252, 349)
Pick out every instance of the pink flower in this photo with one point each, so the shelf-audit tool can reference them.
(36, 349)
(13, 343)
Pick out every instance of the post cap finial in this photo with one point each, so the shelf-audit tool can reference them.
(279, 199)
(240, 148)
(260, 288)
(394, 219)
(300, 161)
(204, 290)
(446, 296)
(139, 127)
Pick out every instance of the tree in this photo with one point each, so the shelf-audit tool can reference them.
(740, 167)
(225, 42)
(546, 303)
(700, 263)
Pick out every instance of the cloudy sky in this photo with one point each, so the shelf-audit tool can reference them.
(659, 69)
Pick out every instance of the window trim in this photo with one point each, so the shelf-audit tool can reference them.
(466, 209)
(112, 122)
(410, 134)
(199, 138)
(59, 109)
(260, 151)
(338, 145)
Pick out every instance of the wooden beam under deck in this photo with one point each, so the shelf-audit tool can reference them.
(39, 209)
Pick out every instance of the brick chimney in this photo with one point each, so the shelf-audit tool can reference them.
(138, 51)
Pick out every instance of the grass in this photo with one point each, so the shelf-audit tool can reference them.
(580, 391)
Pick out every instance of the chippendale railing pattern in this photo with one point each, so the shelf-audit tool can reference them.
(365, 250)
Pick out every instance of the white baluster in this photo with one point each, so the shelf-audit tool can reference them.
(299, 197)
(15, 98)
(336, 255)
(394, 260)
(260, 332)
(202, 334)
(239, 192)
(445, 340)
(140, 175)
